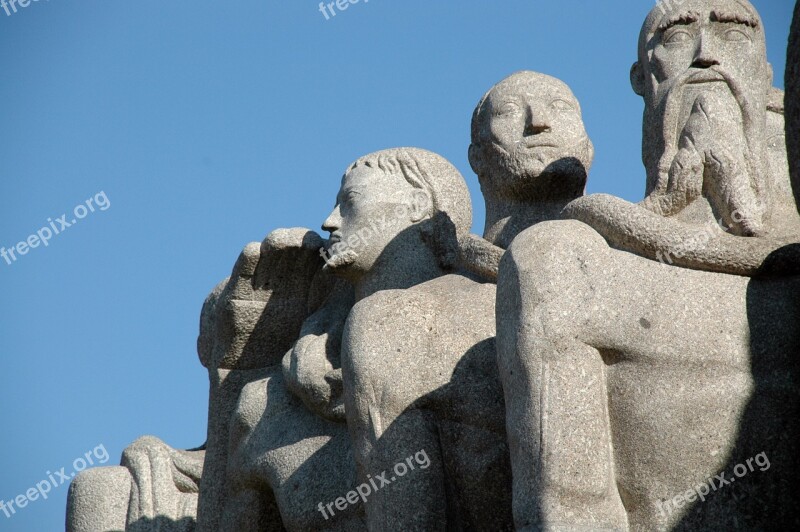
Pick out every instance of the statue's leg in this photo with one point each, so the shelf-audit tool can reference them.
(98, 500)
(225, 388)
(285, 461)
(403, 495)
(554, 384)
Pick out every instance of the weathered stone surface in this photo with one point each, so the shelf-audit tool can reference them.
(634, 368)
(705, 80)
(630, 383)
(289, 449)
(155, 486)
(248, 324)
(713, 148)
(530, 150)
(532, 155)
(419, 380)
(98, 500)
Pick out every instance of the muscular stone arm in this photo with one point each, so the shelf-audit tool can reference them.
(630, 227)
(554, 385)
(384, 339)
(480, 257)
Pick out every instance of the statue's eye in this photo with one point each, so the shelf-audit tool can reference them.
(562, 105)
(348, 197)
(677, 37)
(735, 36)
(508, 108)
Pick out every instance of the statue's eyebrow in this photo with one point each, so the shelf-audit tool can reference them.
(684, 19)
(734, 18)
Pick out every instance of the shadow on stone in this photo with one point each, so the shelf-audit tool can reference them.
(764, 496)
(162, 524)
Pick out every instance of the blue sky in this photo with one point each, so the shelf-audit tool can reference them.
(206, 125)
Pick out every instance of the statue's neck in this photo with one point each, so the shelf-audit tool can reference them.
(397, 269)
(507, 217)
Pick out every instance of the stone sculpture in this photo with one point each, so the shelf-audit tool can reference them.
(634, 367)
(154, 487)
(408, 359)
(274, 453)
(694, 102)
(630, 383)
(532, 156)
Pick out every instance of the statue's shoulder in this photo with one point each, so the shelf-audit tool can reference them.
(434, 300)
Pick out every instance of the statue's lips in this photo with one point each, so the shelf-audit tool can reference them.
(538, 144)
(332, 241)
(705, 76)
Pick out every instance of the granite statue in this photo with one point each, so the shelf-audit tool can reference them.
(634, 386)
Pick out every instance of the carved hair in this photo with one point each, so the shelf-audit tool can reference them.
(451, 211)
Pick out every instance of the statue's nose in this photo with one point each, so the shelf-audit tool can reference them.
(705, 55)
(532, 129)
(538, 120)
(333, 221)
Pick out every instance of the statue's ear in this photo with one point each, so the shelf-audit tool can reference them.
(475, 160)
(637, 79)
(420, 205)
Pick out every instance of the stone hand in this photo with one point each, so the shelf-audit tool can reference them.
(732, 193)
(255, 315)
(312, 368)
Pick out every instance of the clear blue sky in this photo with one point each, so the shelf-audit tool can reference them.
(206, 125)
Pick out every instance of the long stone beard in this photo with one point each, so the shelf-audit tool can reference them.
(712, 149)
(526, 176)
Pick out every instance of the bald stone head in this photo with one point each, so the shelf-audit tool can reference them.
(529, 141)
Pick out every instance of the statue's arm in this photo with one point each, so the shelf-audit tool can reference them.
(384, 360)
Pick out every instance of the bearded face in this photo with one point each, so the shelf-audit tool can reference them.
(705, 78)
(532, 141)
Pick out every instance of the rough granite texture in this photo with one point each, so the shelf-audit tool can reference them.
(417, 362)
(262, 437)
(634, 368)
(155, 485)
(530, 150)
(629, 382)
